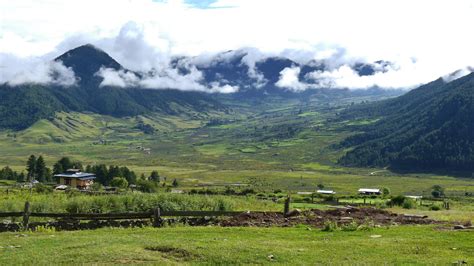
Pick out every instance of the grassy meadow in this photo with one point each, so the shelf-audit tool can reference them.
(290, 147)
(216, 245)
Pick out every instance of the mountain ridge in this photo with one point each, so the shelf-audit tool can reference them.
(431, 127)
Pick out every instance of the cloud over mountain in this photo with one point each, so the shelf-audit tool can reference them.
(146, 35)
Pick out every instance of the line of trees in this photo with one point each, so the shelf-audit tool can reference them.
(113, 175)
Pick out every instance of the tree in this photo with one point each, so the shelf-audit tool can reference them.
(437, 191)
(40, 169)
(385, 191)
(31, 168)
(21, 177)
(65, 163)
(154, 176)
(320, 186)
(128, 174)
(175, 183)
(7, 173)
(114, 171)
(101, 173)
(58, 168)
(119, 182)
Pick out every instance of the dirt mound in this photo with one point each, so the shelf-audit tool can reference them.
(318, 218)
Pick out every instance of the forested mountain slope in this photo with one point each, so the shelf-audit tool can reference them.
(431, 127)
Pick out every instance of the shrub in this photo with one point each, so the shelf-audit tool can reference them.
(119, 182)
(329, 226)
(437, 191)
(147, 186)
(41, 188)
(398, 200)
(330, 198)
(434, 208)
(353, 226)
(97, 187)
(408, 204)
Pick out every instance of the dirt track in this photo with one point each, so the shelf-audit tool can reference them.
(318, 218)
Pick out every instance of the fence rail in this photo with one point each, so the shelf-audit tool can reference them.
(154, 214)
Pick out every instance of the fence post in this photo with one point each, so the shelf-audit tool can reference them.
(286, 208)
(26, 215)
(156, 217)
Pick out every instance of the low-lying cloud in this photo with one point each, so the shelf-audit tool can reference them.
(167, 79)
(16, 71)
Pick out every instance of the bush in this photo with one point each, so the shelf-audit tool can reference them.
(398, 200)
(40, 188)
(119, 182)
(147, 186)
(329, 226)
(353, 226)
(434, 208)
(329, 198)
(97, 187)
(408, 204)
(437, 191)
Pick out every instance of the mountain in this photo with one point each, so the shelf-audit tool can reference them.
(232, 68)
(21, 106)
(431, 127)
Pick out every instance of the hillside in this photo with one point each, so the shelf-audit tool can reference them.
(21, 106)
(431, 127)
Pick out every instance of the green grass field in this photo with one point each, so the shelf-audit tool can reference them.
(215, 245)
(280, 148)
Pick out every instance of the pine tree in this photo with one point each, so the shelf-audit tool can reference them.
(31, 168)
(40, 169)
(175, 183)
(65, 163)
(58, 168)
(21, 177)
(154, 176)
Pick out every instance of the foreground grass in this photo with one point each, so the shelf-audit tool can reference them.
(204, 245)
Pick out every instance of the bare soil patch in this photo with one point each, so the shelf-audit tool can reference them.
(318, 218)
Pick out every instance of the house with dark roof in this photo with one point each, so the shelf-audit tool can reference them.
(75, 178)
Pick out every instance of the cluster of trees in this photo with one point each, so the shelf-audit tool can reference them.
(113, 175)
(36, 170)
(8, 174)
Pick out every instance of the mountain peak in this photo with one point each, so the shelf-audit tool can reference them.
(86, 60)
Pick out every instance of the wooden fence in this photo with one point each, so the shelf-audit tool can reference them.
(155, 214)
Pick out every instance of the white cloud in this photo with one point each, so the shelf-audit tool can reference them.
(289, 79)
(119, 78)
(436, 33)
(168, 78)
(17, 71)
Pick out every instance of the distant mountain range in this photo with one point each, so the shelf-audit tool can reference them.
(429, 128)
(22, 105)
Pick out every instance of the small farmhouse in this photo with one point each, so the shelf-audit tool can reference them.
(326, 192)
(75, 178)
(369, 191)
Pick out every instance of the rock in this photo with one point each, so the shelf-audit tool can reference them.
(346, 218)
(292, 213)
(271, 257)
(459, 227)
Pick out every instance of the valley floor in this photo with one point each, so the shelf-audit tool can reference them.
(216, 245)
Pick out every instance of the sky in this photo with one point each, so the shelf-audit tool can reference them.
(423, 39)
